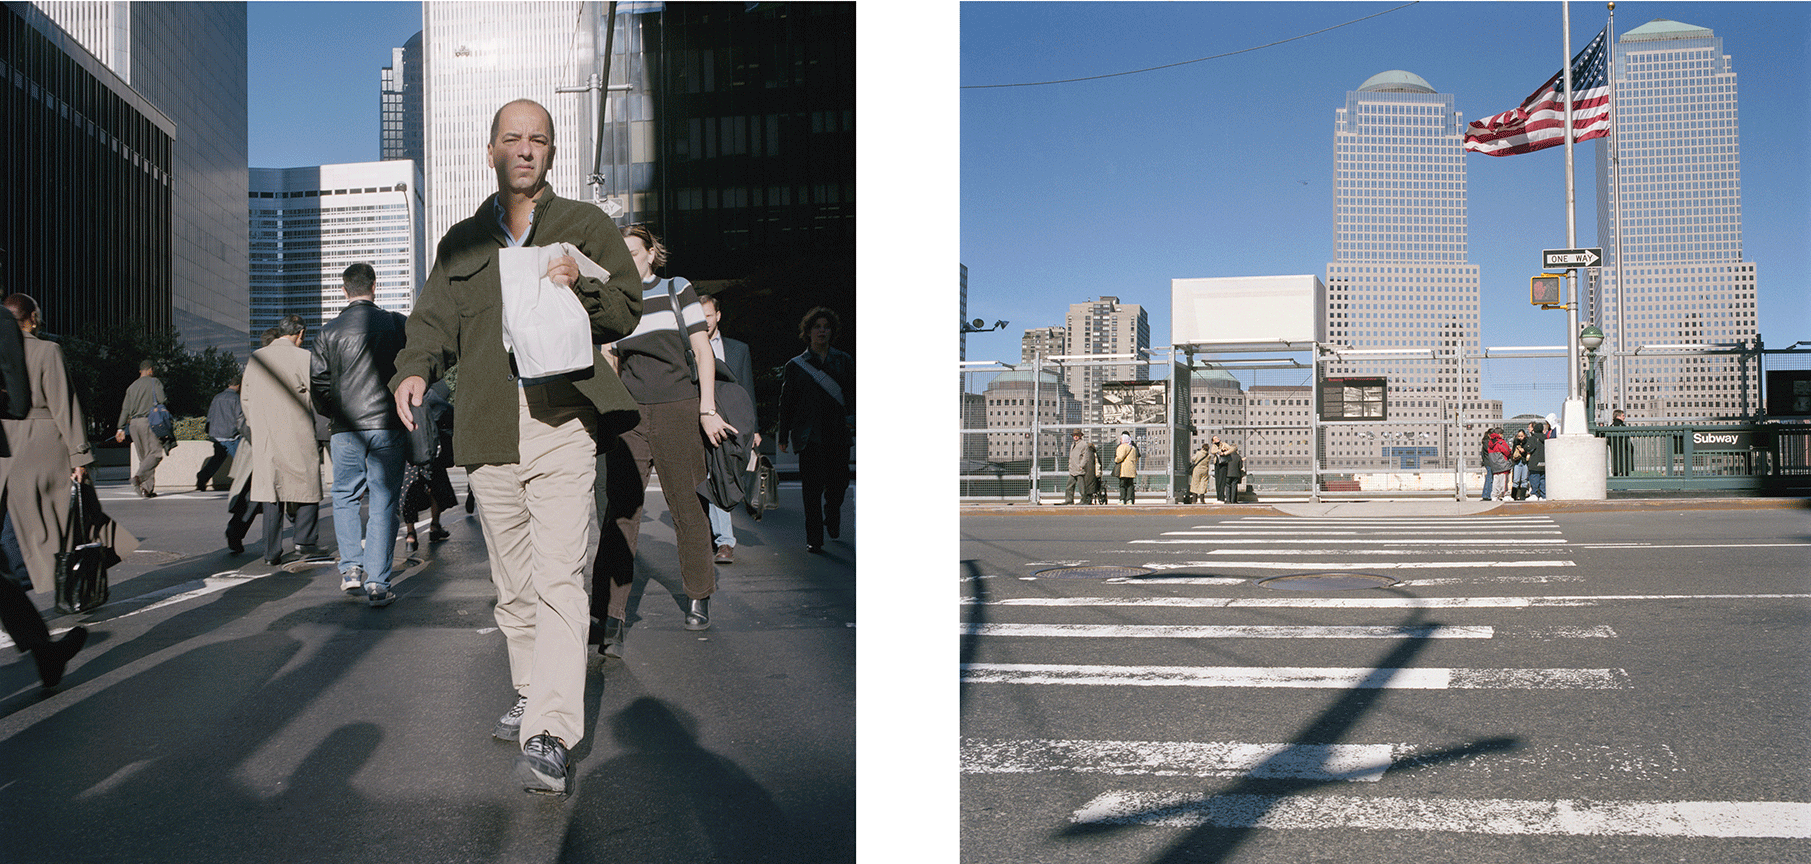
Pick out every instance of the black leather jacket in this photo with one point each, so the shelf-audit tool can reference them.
(354, 358)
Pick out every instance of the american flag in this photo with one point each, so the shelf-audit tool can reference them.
(1540, 121)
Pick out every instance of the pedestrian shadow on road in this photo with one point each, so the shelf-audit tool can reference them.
(668, 798)
(1225, 819)
(102, 657)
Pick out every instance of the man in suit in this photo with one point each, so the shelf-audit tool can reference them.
(817, 419)
(734, 355)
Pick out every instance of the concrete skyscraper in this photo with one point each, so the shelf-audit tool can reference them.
(1399, 278)
(1679, 241)
(1104, 326)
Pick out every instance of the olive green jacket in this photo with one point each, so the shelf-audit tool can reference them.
(458, 319)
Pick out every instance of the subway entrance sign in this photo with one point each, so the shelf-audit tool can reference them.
(1354, 399)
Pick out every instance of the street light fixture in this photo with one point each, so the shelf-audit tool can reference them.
(978, 327)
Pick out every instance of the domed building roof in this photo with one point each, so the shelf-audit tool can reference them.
(1396, 81)
(1022, 378)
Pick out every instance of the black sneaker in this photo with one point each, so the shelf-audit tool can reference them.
(509, 726)
(542, 765)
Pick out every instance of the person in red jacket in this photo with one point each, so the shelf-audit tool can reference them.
(1494, 443)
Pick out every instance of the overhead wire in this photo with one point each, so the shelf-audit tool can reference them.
(1187, 62)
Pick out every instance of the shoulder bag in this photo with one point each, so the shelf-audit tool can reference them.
(81, 576)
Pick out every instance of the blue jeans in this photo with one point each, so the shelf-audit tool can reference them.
(1537, 485)
(1489, 478)
(1518, 475)
(723, 532)
(367, 461)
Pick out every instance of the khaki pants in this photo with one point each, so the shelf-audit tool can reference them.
(540, 524)
(149, 452)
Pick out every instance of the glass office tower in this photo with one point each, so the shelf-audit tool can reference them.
(1399, 278)
(1679, 239)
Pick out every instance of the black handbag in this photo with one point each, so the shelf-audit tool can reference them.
(765, 490)
(81, 575)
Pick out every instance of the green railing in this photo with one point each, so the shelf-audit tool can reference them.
(1761, 458)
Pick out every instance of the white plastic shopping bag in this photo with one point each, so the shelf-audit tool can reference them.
(543, 323)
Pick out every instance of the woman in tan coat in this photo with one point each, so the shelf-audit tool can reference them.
(1201, 476)
(46, 451)
(1125, 462)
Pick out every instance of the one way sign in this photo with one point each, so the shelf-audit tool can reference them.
(1571, 257)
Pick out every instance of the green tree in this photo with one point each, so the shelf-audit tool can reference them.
(103, 363)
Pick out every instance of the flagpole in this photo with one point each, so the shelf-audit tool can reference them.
(1572, 393)
(1622, 381)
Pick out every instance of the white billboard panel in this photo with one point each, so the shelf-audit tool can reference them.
(1247, 309)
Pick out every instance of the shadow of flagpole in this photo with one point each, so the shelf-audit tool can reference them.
(1231, 815)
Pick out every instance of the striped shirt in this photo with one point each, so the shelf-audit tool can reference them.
(655, 364)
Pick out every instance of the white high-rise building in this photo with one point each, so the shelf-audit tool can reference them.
(1679, 241)
(478, 56)
(1399, 278)
(309, 224)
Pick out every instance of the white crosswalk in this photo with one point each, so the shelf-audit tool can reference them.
(1204, 567)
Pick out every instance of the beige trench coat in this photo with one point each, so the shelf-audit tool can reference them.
(1201, 477)
(50, 442)
(286, 460)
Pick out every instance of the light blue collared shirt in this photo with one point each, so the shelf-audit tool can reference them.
(503, 223)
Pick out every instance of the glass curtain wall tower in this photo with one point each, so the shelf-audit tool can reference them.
(1399, 278)
(1680, 234)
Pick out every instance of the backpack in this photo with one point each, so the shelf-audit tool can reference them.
(163, 426)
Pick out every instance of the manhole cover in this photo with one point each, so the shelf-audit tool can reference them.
(1093, 573)
(1327, 582)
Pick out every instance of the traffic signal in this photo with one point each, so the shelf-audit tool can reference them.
(1543, 290)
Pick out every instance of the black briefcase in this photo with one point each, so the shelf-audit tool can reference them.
(764, 492)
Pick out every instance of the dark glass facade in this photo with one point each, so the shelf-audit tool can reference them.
(753, 183)
(87, 194)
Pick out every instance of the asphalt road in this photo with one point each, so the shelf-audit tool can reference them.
(1540, 684)
(228, 711)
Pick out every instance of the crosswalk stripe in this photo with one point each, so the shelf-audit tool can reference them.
(1708, 819)
(1365, 602)
(1281, 631)
(1419, 532)
(1330, 565)
(1364, 763)
(1340, 677)
(1360, 763)
(1482, 541)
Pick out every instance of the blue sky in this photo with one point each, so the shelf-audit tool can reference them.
(1222, 168)
(315, 70)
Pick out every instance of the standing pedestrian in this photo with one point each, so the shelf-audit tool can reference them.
(1234, 464)
(353, 360)
(1622, 448)
(734, 355)
(817, 418)
(223, 433)
(1125, 462)
(1518, 466)
(1201, 473)
(134, 413)
(1537, 460)
(1497, 462)
(43, 453)
(678, 420)
(1079, 464)
(286, 463)
(533, 468)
